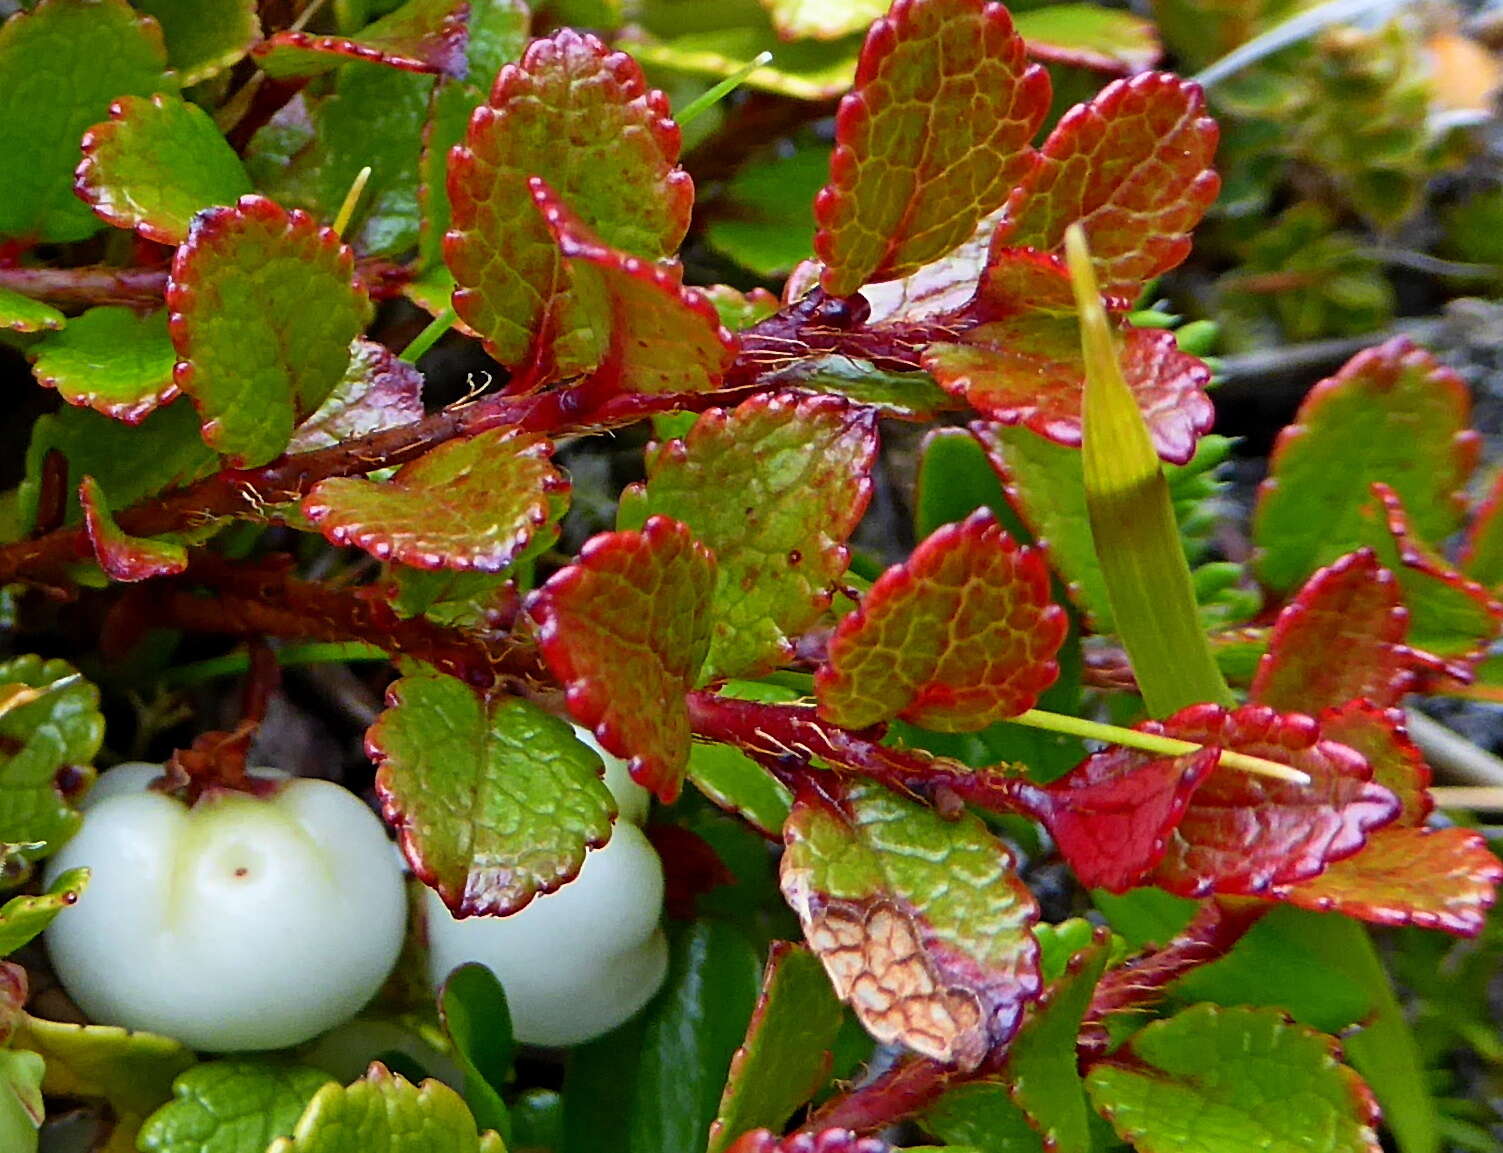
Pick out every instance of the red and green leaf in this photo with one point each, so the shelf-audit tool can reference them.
(154, 163)
(124, 557)
(1133, 168)
(921, 923)
(1393, 414)
(619, 173)
(1396, 762)
(959, 636)
(1016, 358)
(1267, 1082)
(1482, 551)
(625, 628)
(20, 313)
(786, 1056)
(648, 332)
(379, 391)
(494, 800)
(112, 359)
(774, 488)
(264, 309)
(472, 503)
(1340, 638)
(1431, 878)
(420, 36)
(1086, 36)
(934, 136)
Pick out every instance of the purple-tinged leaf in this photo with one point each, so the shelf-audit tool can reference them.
(379, 391)
(420, 36)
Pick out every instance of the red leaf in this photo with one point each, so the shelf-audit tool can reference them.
(619, 172)
(123, 557)
(1133, 166)
(472, 503)
(626, 628)
(1397, 764)
(933, 136)
(420, 36)
(651, 334)
(1243, 834)
(959, 636)
(829, 1141)
(378, 392)
(1433, 878)
(1021, 361)
(1340, 638)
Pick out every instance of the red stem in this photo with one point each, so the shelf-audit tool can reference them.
(94, 284)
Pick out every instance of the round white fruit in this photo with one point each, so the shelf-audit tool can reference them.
(632, 800)
(240, 923)
(577, 962)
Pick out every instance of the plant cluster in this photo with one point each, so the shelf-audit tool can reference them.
(209, 240)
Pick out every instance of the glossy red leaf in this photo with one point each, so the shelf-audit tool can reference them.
(471, 503)
(934, 136)
(959, 636)
(420, 36)
(649, 332)
(1433, 878)
(1133, 167)
(625, 628)
(619, 173)
(1340, 638)
(124, 557)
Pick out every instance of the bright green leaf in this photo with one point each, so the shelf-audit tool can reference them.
(23, 918)
(804, 70)
(1086, 35)
(472, 1007)
(232, 1106)
(132, 1071)
(21, 1105)
(23, 314)
(114, 360)
(822, 19)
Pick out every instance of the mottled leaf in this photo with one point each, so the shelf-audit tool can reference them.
(471, 503)
(22, 918)
(1021, 362)
(1133, 168)
(1433, 878)
(786, 1055)
(263, 312)
(959, 636)
(494, 801)
(204, 37)
(620, 174)
(920, 921)
(625, 629)
(649, 333)
(419, 36)
(232, 1106)
(154, 163)
(104, 50)
(112, 359)
(1393, 414)
(378, 392)
(1086, 36)
(934, 136)
(1214, 1079)
(132, 1071)
(384, 1113)
(122, 556)
(23, 314)
(796, 475)
(46, 750)
(1351, 608)
(1240, 833)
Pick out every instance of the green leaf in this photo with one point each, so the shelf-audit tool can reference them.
(1106, 39)
(982, 1114)
(798, 470)
(48, 750)
(920, 921)
(785, 1058)
(472, 1007)
(264, 309)
(114, 360)
(132, 1071)
(124, 557)
(805, 70)
(463, 600)
(494, 801)
(384, 1113)
(934, 137)
(764, 220)
(154, 163)
(23, 314)
(906, 395)
(1211, 1080)
(620, 174)
(959, 636)
(418, 36)
(1392, 414)
(473, 503)
(23, 918)
(106, 50)
(204, 37)
(626, 628)
(739, 785)
(232, 1106)
(21, 1105)
(822, 19)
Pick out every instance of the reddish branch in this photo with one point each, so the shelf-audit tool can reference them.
(96, 284)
